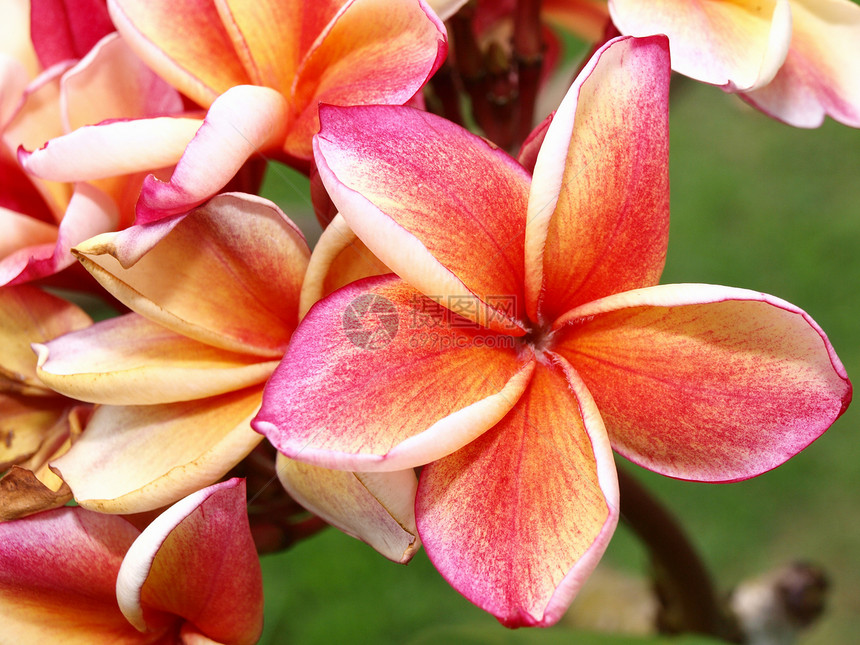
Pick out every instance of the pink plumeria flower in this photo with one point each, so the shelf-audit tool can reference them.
(524, 337)
(192, 576)
(796, 60)
(260, 69)
(214, 298)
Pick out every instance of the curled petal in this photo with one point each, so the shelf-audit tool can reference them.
(518, 519)
(703, 382)
(197, 560)
(25, 423)
(22, 494)
(415, 217)
(227, 274)
(739, 46)
(137, 458)
(377, 508)
(129, 360)
(78, 554)
(379, 377)
(599, 204)
(339, 258)
(820, 74)
(98, 151)
(244, 121)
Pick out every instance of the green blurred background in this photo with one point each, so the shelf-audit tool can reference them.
(755, 204)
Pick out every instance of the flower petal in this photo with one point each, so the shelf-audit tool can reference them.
(820, 74)
(703, 382)
(339, 258)
(197, 560)
(517, 519)
(440, 206)
(737, 45)
(379, 377)
(227, 274)
(377, 508)
(98, 151)
(78, 554)
(90, 89)
(372, 52)
(244, 121)
(130, 360)
(599, 204)
(61, 30)
(25, 422)
(90, 212)
(22, 494)
(29, 315)
(138, 458)
(184, 41)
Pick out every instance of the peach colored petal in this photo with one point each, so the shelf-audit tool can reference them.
(378, 378)
(30, 315)
(401, 178)
(587, 19)
(184, 41)
(820, 75)
(227, 274)
(197, 560)
(138, 458)
(517, 519)
(111, 82)
(377, 508)
(339, 258)
(737, 45)
(130, 360)
(79, 554)
(703, 382)
(244, 121)
(599, 204)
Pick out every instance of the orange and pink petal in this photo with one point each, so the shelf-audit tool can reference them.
(598, 213)
(400, 178)
(703, 382)
(79, 554)
(379, 377)
(197, 560)
(371, 52)
(517, 519)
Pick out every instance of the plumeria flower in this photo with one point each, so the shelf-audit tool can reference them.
(524, 337)
(796, 60)
(85, 75)
(191, 576)
(36, 424)
(260, 69)
(214, 299)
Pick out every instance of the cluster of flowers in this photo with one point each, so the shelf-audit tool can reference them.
(159, 117)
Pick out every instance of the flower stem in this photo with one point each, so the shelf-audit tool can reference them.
(683, 584)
